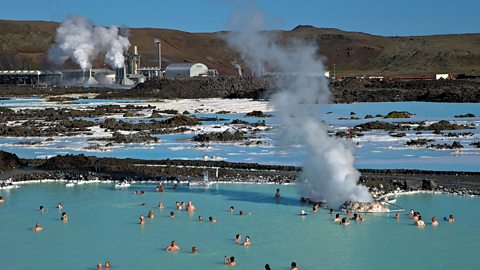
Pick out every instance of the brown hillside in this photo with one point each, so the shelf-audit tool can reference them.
(23, 45)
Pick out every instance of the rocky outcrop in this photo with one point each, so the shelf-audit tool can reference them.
(9, 161)
(443, 125)
(225, 136)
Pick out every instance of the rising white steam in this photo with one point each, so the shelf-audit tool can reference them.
(79, 40)
(328, 166)
(238, 67)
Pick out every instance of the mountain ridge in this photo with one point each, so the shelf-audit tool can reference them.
(24, 45)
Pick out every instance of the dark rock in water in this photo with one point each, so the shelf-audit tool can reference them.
(239, 122)
(139, 137)
(454, 145)
(476, 144)
(419, 142)
(412, 184)
(379, 125)
(443, 125)
(257, 114)
(397, 134)
(429, 184)
(468, 115)
(225, 136)
(396, 114)
(9, 161)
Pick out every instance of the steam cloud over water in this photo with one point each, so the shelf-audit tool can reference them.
(328, 166)
(78, 39)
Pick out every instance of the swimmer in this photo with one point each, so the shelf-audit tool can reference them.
(331, 211)
(59, 205)
(277, 194)
(451, 219)
(143, 204)
(302, 213)
(411, 213)
(314, 209)
(142, 192)
(200, 218)
(160, 205)
(174, 186)
(397, 216)
(150, 214)
(345, 222)
(1, 199)
(267, 267)
(232, 209)
(349, 212)
(238, 238)
(107, 264)
(247, 241)
(360, 217)
(293, 266)
(229, 261)
(37, 227)
(173, 247)
(172, 214)
(194, 250)
(337, 218)
(42, 209)
(212, 220)
(99, 266)
(355, 217)
(415, 216)
(191, 207)
(160, 188)
(64, 217)
(142, 220)
(179, 207)
(434, 221)
(420, 222)
(240, 212)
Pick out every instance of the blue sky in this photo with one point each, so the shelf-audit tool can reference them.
(382, 17)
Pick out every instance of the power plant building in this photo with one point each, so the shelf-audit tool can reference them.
(185, 70)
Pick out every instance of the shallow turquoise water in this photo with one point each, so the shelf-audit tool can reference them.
(103, 226)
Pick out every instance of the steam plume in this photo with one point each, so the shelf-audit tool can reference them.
(328, 165)
(79, 40)
(238, 67)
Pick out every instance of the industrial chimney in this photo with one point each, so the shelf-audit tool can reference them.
(159, 56)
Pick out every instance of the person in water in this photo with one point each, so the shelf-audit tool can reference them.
(240, 212)
(267, 267)
(345, 221)
(397, 216)
(238, 238)
(212, 220)
(160, 205)
(232, 209)
(37, 227)
(42, 209)
(142, 220)
(293, 266)
(420, 222)
(178, 206)
(411, 213)
(172, 214)
(200, 218)
(355, 217)
(337, 218)
(277, 194)
(191, 207)
(416, 215)
(229, 261)
(247, 241)
(107, 264)
(173, 246)
(1, 199)
(360, 217)
(150, 214)
(99, 266)
(59, 205)
(302, 213)
(434, 221)
(451, 219)
(331, 212)
(194, 250)
(64, 217)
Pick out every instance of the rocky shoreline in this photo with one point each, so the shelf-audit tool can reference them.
(89, 168)
(345, 91)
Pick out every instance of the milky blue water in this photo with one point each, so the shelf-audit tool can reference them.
(377, 149)
(104, 226)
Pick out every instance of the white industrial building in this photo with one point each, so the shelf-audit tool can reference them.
(185, 70)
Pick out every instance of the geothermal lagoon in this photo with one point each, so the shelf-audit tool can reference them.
(103, 225)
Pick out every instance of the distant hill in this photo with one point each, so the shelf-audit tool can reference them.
(23, 45)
